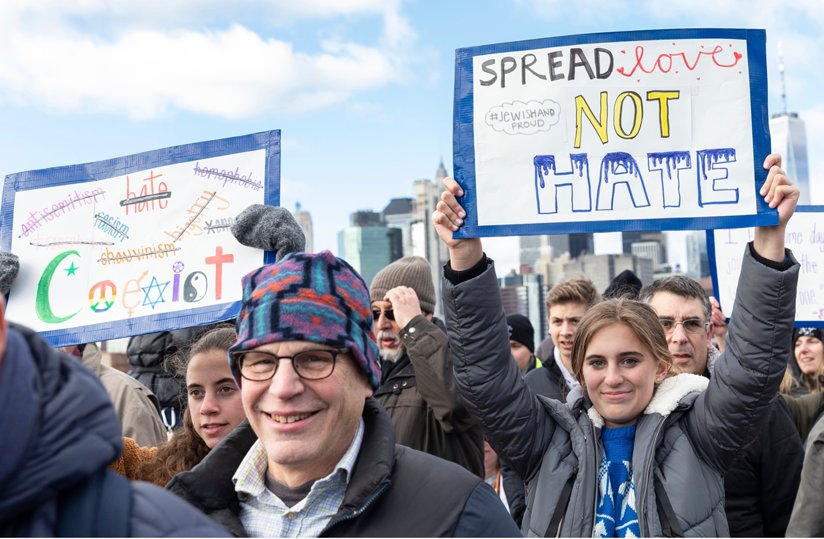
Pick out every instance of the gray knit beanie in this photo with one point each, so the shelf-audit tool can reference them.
(412, 271)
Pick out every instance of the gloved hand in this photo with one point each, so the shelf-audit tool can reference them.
(270, 228)
(9, 266)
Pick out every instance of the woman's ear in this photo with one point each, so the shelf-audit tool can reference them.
(662, 370)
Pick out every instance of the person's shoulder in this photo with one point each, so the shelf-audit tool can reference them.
(156, 512)
(412, 464)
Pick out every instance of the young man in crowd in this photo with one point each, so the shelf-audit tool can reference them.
(566, 304)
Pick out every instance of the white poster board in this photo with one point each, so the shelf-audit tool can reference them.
(805, 237)
(653, 130)
(136, 244)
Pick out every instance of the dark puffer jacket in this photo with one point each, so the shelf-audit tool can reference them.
(59, 428)
(148, 355)
(393, 491)
(685, 440)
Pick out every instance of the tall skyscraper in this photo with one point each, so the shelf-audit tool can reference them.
(425, 241)
(525, 294)
(789, 138)
(697, 259)
(304, 219)
(368, 244)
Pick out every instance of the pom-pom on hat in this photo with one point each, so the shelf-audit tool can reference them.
(308, 297)
(412, 271)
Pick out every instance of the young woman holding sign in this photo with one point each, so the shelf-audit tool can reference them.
(636, 450)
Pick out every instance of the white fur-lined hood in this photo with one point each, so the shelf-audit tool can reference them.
(666, 397)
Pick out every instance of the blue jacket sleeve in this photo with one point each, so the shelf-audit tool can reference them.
(484, 515)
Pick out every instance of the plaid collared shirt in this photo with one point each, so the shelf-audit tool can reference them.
(264, 515)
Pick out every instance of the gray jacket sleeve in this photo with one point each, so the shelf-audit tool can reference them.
(807, 518)
(515, 423)
(735, 406)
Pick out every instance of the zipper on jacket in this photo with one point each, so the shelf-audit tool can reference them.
(364, 506)
(597, 442)
(642, 514)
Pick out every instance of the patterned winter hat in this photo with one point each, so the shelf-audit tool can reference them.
(308, 297)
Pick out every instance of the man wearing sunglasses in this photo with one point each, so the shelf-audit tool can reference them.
(318, 454)
(760, 487)
(417, 385)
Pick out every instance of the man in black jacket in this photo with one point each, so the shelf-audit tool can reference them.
(318, 457)
(760, 487)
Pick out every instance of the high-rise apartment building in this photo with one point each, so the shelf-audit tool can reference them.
(304, 219)
(399, 214)
(368, 244)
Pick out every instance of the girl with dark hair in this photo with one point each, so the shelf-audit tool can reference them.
(214, 409)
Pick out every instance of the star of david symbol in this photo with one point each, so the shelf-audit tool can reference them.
(160, 289)
(71, 270)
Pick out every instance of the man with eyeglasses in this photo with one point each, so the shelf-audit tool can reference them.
(760, 487)
(318, 455)
(417, 384)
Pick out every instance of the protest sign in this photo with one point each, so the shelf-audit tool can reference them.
(651, 130)
(804, 236)
(136, 244)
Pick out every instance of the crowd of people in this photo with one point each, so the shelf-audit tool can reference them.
(333, 407)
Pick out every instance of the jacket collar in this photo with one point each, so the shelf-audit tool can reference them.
(666, 398)
(209, 485)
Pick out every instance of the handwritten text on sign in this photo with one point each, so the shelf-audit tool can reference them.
(597, 132)
(804, 236)
(151, 242)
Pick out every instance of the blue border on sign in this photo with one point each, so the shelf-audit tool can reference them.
(712, 260)
(464, 138)
(118, 166)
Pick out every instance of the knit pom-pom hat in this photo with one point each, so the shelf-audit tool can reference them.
(308, 297)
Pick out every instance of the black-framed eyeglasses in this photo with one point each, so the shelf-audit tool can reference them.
(388, 313)
(690, 325)
(259, 366)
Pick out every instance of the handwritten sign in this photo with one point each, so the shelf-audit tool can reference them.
(804, 236)
(651, 130)
(136, 244)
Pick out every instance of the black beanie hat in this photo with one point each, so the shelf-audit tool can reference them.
(818, 333)
(520, 330)
(625, 284)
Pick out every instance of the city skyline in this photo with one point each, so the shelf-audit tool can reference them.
(361, 90)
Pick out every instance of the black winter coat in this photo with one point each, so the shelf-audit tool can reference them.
(393, 490)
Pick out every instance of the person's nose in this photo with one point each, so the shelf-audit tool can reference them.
(679, 334)
(613, 377)
(286, 383)
(210, 405)
(383, 322)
